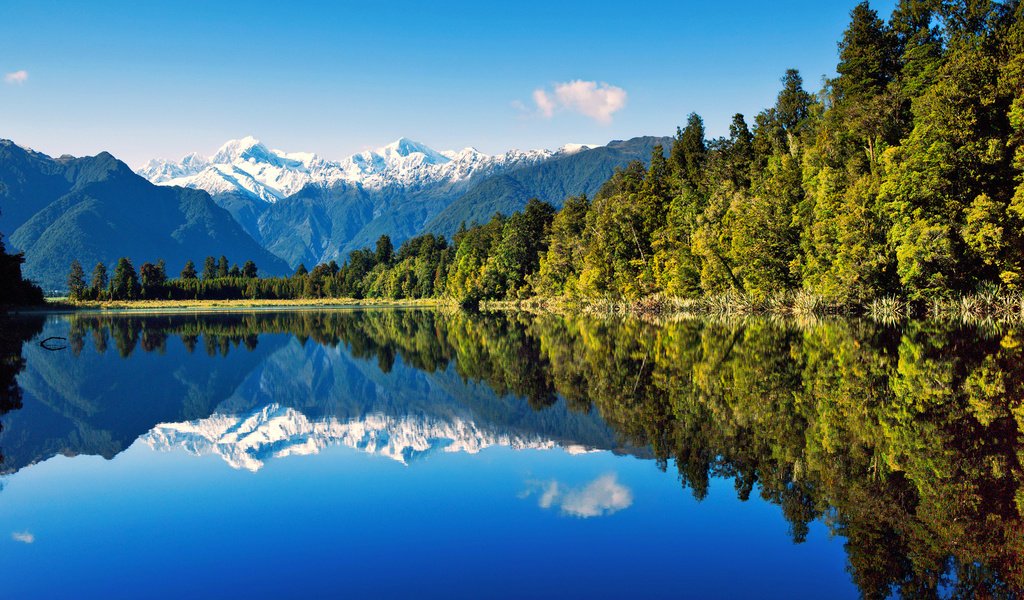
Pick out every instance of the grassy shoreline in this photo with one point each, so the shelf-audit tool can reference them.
(65, 305)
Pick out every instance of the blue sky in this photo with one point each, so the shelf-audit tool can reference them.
(149, 79)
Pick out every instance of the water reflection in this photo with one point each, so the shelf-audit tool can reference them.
(905, 442)
(602, 496)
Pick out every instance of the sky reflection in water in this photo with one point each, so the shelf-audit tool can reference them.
(410, 452)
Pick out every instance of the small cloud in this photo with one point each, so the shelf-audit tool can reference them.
(24, 537)
(545, 105)
(599, 101)
(16, 78)
(603, 496)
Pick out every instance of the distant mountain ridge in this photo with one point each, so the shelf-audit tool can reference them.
(553, 181)
(246, 165)
(306, 209)
(279, 209)
(96, 209)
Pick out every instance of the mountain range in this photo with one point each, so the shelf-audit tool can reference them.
(96, 209)
(307, 209)
(280, 209)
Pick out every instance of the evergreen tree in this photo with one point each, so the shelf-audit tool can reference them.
(866, 60)
(793, 104)
(385, 250)
(741, 152)
(14, 288)
(249, 270)
(99, 279)
(189, 271)
(125, 283)
(222, 266)
(76, 281)
(150, 276)
(689, 150)
(209, 268)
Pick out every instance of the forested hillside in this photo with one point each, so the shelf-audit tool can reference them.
(553, 181)
(901, 177)
(95, 208)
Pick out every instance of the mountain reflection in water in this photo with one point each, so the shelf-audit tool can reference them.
(906, 442)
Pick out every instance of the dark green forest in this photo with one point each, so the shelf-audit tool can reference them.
(901, 177)
(15, 290)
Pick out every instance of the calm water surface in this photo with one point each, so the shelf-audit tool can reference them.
(408, 453)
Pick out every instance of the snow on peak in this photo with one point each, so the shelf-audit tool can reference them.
(247, 148)
(246, 441)
(249, 167)
(404, 147)
(574, 148)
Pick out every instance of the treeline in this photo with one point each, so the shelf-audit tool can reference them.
(151, 282)
(901, 177)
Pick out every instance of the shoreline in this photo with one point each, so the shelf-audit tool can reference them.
(62, 306)
(978, 308)
(984, 307)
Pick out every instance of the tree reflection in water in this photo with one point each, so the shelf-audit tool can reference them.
(906, 442)
(13, 333)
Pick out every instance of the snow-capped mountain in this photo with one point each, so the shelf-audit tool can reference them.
(246, 165)
(401, 190)
(247, 440)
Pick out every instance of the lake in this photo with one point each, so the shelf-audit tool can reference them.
(422, 453)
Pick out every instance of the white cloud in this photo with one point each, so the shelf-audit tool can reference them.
(603, 496)
(23, 536)
(17, 77)
(545, 105)
(599, 101)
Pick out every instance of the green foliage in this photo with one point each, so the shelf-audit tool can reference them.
(517, 254)
(553, 181)
(96, 209)
(14, 288)
(385, 250)
(902, 178)
(210, 268)
(558, 269)
(151, 275)
(249, 270)
(99, 280)
(689, 151)
(189, 270)
(124, 285)
(76, 281)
